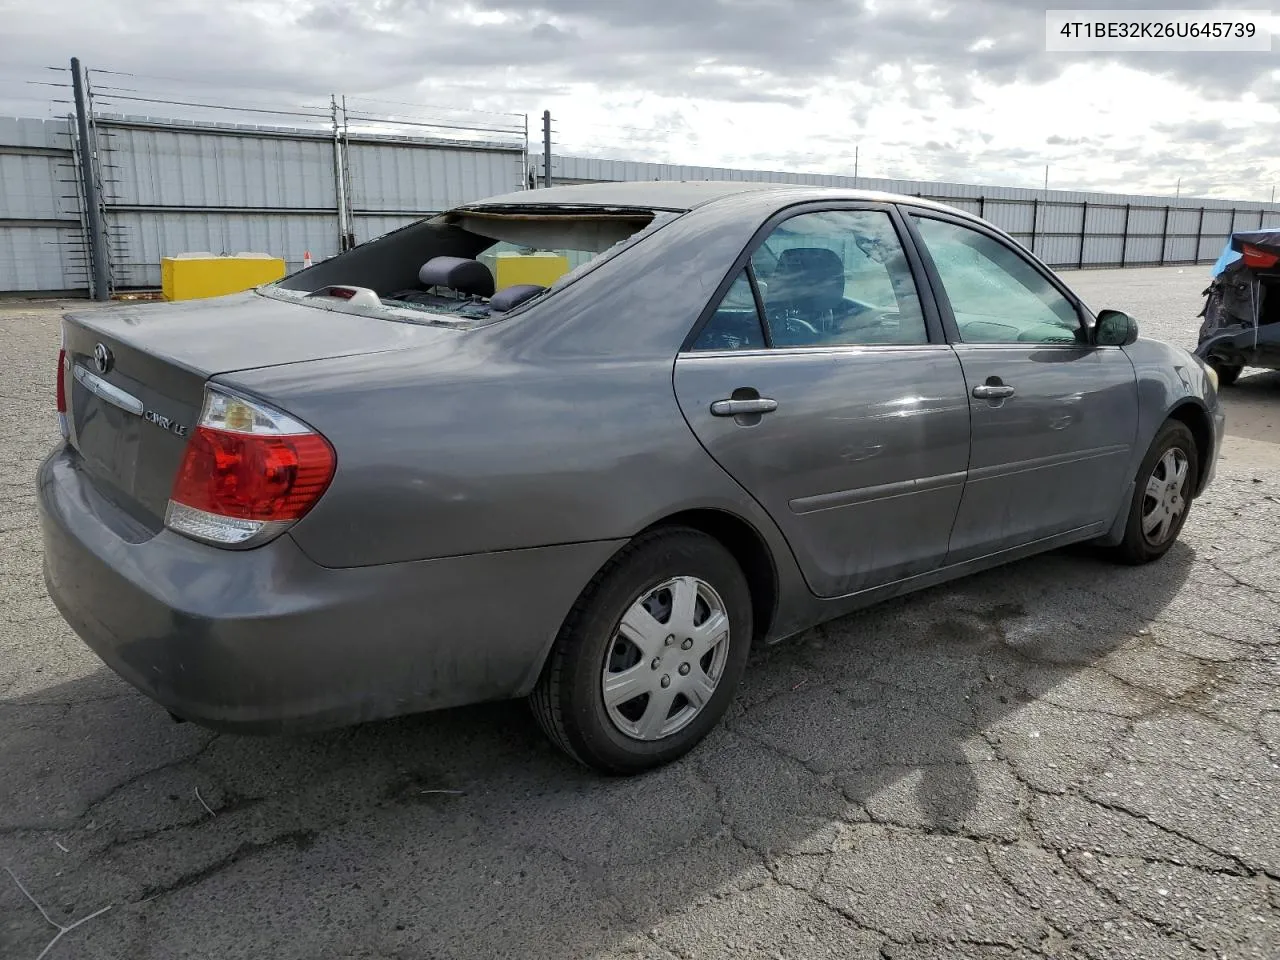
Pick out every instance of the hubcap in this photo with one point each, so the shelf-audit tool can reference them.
(1166, 497)
(666, 659)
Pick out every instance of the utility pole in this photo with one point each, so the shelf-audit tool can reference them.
(1273, 193)
(346, 171)
(1046, 178)
(339, 177)
(1178, 190)
(99, 272)
(546, 148)
(855, 161)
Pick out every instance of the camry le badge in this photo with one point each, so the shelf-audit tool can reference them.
(165, 423)
(102, 358)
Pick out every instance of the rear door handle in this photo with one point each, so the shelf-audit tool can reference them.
(737, 408)
(990, 391)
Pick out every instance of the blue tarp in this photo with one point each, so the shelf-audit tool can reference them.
(1269, 239)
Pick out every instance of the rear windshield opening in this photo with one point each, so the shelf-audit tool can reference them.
(471, 264)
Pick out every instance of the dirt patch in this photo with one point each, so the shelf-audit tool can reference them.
(1253, 406)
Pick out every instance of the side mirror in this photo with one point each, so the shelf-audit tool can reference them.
(1115, 329)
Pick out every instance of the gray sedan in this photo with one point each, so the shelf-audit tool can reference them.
(399, 481)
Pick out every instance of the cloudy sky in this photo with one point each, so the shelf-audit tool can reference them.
(958, 90)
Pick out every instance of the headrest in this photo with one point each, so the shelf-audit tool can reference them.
(457, 273)
(513, 296)
(808, 277)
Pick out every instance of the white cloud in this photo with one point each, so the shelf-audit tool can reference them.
(960, 91)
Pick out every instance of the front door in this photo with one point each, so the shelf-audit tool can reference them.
(839, 413)
(1054, 418)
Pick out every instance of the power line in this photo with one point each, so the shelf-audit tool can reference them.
(44, 100)
(35, 83)
(429, 117)
(189, 81)
(111, 98)
(430, 106)
(32, 66)
(261, 89)
(105, 92)
(432, 124)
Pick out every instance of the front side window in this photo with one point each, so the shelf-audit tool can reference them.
(995, 294)
(837, 277)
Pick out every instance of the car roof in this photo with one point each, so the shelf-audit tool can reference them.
(680, 195)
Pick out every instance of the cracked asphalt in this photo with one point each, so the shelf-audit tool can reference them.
(1060, 758)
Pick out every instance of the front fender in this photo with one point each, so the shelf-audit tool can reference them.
(1172, 384)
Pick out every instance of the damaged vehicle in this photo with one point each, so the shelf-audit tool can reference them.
(1241, 311)
(589, 445)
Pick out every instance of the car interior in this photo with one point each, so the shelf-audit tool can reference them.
(437, 266)
(805, 302)
(463, 286)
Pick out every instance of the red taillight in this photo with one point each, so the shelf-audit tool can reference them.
(1257, 259)
(248, 477)
(62, 381)
(249, 471)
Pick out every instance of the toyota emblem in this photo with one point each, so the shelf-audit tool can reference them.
(102, 358)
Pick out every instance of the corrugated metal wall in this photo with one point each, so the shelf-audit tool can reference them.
(172, 186)
(227, 188)
(1066, 228)
(41, 242)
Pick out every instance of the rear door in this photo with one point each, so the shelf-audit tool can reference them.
(820, 380)
(1054, 416)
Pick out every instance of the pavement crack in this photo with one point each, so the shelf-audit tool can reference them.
(143, 774)
(1025, 898)
(1163, 926)
(299, 839)
(1244, 869)
(802, 762)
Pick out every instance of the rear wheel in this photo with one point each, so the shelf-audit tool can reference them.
(650, 657)
(1167, 482)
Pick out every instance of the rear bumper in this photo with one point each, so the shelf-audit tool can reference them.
(1241, 347)
(266, 640)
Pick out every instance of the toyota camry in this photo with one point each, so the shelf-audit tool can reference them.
(587, 445)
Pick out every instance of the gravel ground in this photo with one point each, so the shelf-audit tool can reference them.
(1059, 758)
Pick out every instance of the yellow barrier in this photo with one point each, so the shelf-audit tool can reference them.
(543, 269)
(194, 276)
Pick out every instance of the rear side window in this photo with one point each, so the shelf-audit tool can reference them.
(736, 323)
(838, 277)
(832, 277)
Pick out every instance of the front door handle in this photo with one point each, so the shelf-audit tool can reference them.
(992, 391)
(738, 408)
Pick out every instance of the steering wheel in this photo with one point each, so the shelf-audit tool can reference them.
(793, 329)
(867, 318)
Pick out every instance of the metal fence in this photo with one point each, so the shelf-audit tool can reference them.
(162, 186)
(172, 186)
(1067, 229)
(42, 243)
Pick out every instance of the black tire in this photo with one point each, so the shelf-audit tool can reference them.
(568, 700)
(1227, 373)
(1137, 547)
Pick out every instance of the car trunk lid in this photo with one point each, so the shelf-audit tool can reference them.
(134, 377)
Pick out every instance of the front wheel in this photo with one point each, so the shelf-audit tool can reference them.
(1162, 497)
(650, 657)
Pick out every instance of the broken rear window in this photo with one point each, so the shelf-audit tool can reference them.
(471, 264)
